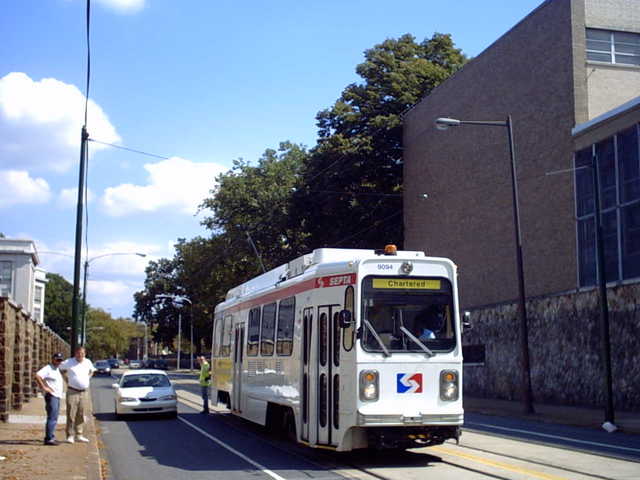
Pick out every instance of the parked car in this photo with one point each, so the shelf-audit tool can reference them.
(159, 363)
(135, 364)
(102, 367)
(145, 392)
(114, 363)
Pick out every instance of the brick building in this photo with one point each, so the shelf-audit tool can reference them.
(569, 76)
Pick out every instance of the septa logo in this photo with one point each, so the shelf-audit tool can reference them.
(409, 383)
(336, 280)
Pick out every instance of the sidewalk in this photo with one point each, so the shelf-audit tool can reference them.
(626, 422)
(24, 457)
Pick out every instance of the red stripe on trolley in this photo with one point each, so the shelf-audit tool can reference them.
(311, 284)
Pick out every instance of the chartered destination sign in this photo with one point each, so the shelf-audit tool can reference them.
(407, 283)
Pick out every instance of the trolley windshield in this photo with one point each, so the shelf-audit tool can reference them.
(399, 308)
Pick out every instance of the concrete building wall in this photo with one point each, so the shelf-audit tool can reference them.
(623, 15)
(611, 85)
(528, 74)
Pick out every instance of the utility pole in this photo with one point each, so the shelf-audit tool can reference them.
(77, 339)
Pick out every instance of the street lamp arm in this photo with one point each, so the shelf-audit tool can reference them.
(444, 123)
(118, 253)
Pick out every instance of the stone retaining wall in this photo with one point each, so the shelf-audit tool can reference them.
(25, 346)
(565, 349)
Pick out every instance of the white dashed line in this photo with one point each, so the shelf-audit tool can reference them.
(233, 450)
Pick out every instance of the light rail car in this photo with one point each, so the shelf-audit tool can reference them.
(345, 349)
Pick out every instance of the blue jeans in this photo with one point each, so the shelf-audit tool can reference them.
(52, 406)
(205, 398)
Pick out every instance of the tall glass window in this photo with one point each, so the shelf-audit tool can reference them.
(6, 279)
(619, 176)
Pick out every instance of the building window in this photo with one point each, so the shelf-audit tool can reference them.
(38, 295)
(6, 272)
(619, 176)
(613, 47)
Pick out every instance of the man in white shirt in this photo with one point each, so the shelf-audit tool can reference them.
(78, 371)
(50, 381)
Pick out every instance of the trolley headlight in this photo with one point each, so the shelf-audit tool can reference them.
(449, 385)
(369, 390)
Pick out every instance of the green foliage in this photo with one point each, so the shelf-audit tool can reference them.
(108, 337)
(57, 305)
(352, 195)
(257, 200)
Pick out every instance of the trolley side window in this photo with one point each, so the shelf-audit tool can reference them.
(225, 344)
(347, 334)
(286, 314)
(268, 329)
(253, 338)
(217, 337)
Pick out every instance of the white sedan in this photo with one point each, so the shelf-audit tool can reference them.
(145, 391)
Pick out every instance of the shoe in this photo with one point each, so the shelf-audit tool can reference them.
(70, 440)
(52, 442)
(82, 439)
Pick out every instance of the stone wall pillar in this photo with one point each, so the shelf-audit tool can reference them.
(28, 380)
(7, 333)
(17, 397)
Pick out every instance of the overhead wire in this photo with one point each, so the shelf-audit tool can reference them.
(86, 150)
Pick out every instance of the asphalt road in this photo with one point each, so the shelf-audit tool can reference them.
(221, 446)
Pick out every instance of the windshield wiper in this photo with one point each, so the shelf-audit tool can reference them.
(418, 342)
(376, 336)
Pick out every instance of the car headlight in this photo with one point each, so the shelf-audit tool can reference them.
(369, 385)
(448, 385)
(128, 399)
(168, 397)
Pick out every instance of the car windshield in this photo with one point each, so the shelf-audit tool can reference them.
(145, 380)
(421, 306)
(101, 364)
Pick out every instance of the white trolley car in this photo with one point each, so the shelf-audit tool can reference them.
(345, 349)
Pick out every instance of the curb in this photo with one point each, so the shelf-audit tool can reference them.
(94, 461)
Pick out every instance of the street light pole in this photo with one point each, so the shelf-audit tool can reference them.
(84, 287)
(604, 304)
(445, 123)
(179, 337)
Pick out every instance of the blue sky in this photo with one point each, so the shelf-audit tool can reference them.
(200, 82)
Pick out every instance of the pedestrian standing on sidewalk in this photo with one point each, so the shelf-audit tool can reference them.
(50, 381)
(205, 383)
(78, 371)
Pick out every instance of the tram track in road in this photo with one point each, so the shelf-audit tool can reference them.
(343, 464)
(535, 462)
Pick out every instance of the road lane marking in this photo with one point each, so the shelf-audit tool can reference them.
(259, 466)
(559, 437)
(501, 465)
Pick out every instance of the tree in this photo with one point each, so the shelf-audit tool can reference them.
(108, 337)
(353, 177)
(57, 305)
(255, 201)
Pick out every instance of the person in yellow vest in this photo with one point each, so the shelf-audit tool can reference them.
(205, 383)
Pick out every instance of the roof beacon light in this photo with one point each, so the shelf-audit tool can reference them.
(390, 249)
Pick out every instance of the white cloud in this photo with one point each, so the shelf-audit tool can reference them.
(40, 123)
(68, 197)
(114, 293)
(174, 184)
(17, 186)
(124, 6)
